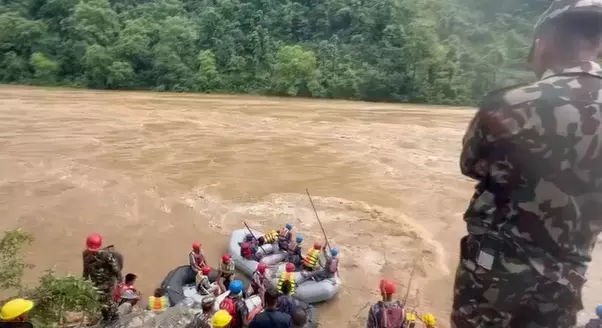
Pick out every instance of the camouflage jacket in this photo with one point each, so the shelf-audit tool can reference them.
(536, 152)
(101, 268)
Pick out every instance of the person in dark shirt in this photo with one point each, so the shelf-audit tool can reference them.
(286, 303)
(270, 317)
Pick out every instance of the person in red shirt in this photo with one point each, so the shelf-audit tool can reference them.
(196, 258)
(124, 287)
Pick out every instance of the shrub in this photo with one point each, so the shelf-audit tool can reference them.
(55, 296)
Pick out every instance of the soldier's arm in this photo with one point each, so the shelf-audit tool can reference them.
(86, 271)
(371, 323)
(115, 267)
(474, 148)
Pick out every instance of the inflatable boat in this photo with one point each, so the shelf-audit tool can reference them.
(179, 284)
(311, 291)
(247, 267)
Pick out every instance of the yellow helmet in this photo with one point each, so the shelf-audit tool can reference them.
(221, 318)
(15, 308)
(429, 319)
(411, 317)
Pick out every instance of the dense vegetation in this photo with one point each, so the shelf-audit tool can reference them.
(56, 297)
(429, 51)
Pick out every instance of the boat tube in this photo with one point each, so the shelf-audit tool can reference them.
(309, 290)
(179, 284)
(247, 267)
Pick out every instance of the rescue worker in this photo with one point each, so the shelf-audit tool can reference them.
(271, 317)
(203, 318)
(127, 285)
(203, 285)
(285, 235)
(258, 284)
(158, 302)
(596, 322)
(196, 258)
(387, 313)
(247, 252)
(225, 273)
(15, 313)
(221, 319)
(533, 152)
(286, 302)
(330, 268)
(293, 251)
(312, 259)
(429, 320)
(271, 237)
(288, 275)
(235, 305)
(101, 267)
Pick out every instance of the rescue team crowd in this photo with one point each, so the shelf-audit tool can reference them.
(535, 154)
(279, 307)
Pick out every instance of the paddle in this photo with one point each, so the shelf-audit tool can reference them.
(320, 222)
(251, 232)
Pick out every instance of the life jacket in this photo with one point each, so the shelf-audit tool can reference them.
(198, 258)
(312, 257)
(120, 289)
(333, 266)
(229, 305)
(259, 279)
(292, 246)
(157, 304)
(246, 251)
(271, 237)
(391, 316)
(284, 276)
(227, 269)
(284, 232)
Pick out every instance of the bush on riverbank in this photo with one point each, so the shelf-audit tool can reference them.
(56, 297)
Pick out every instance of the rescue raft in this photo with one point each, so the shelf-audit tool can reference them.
(247, 267)
(179, 284)
(308, 291)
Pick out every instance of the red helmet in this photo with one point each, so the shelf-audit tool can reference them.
(387, 287)
(290, 267)
(206, 270)
(94, 242)
(317, 246)
(245, 245)
(226, 258)
(261, 267)
(196, 246)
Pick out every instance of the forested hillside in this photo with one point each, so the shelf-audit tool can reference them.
(426, 51)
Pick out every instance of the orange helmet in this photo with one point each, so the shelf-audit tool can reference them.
(206, 270)
(387, 287)
(261, 267)
(290, 267)
(317, 246)
(94, 242)
(196, 246)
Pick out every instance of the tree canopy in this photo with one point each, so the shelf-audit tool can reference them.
(423, 51)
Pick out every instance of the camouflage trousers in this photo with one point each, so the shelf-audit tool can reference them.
(511, 295)
(109, 306)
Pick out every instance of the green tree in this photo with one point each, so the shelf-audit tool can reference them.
(295, 72)
(44, 68)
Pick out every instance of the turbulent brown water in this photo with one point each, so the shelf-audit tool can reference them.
(155, 172)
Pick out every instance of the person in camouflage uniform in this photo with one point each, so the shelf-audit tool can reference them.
(536, 152)
(103, 270)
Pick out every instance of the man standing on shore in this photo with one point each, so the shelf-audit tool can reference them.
(536, 152)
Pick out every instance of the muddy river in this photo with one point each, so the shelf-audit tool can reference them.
(154, 172)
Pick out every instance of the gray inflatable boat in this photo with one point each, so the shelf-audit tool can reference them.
(247, 267)
(308, 291)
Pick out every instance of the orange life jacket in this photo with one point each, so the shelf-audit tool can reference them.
(157, 303)
(312, 258)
